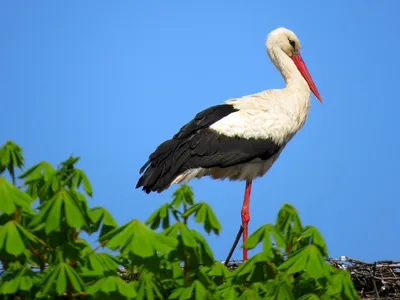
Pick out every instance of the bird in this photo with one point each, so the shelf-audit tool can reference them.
(241, 138)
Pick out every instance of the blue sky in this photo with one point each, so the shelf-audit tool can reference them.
(109, 81)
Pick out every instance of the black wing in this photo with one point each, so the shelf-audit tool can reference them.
(195, 145)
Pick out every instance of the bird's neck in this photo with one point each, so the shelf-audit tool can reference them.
(292, 76)
(297, 91)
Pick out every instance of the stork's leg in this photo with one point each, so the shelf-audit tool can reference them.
(246, 215)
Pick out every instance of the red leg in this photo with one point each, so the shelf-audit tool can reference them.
(246, 215)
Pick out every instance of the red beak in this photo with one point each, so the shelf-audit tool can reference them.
(301, 66)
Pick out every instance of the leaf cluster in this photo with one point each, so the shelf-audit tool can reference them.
(45, 217)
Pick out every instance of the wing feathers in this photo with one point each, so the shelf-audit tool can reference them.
(197, 146)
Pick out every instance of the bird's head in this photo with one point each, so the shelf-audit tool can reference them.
(287, 41)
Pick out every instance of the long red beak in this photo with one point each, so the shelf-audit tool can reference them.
(299, 62)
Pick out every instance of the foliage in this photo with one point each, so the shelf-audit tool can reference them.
(44, 255)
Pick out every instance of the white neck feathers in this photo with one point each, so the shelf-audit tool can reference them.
(286, 66)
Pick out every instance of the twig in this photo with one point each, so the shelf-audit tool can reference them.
(374, 282)
(98, 247)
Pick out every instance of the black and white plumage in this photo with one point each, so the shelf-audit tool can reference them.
(198, 150)
(241, 138)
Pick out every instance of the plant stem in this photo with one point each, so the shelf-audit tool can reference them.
(186, 270)
(185, 261)
(41, 263)
(17, 216)
(69, 291)
(72, 264)
(184, 210)
(98, 247)
(74, 236)
(11, 171)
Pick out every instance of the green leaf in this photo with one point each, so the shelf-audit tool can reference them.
(57, 278)
(90, 274)
(308, 259)
(55, 215)
(14, 239)
(220, 270)
(161, 214)
(314, 237)
(264, 234)
(111, 284)
(200, 291)
(228, 292)
(12, 198)
(196, 290)
(309, 297)
(172, 231)
(288, 225)
(81, 178)
(100, 215)
(43, 182)
(108, 261)
(101, 261)
(204, 214)
(349, 292)
(247, 268)
(61, 282)
(17, 278)
(186, 235)
(39, 180)
(279, 239)
(287, 216)
(11, 157)
(250, 294)
(64, 204)
(42, 169)
(342, 284)
(181, 293)
(74, 278)
(183, 195)
(54, 183)
(74, 216)
(94, 262)
(204, 251)
(148, 288)
(261, 234)
(284, 291)
(135, 238)
(69, 163)
(179, 229)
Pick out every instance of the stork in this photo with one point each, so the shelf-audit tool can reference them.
(241, 138)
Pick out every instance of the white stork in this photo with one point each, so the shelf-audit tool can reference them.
(241, 138)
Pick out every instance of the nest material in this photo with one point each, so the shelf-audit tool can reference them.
(377, 280)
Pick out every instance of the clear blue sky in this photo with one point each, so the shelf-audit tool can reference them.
(109, 81)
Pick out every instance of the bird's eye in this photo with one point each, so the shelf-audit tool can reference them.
(292, 43)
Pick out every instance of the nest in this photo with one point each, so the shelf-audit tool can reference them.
(377, 280)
